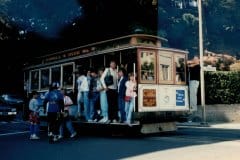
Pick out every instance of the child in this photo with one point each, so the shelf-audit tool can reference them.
(131, 85)
(34, 116)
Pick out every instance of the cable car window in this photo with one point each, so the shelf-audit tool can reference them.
(44, 78)
(147, 66)
(35, 80)
(67, 75)
(56, 74)
(180, 70)
(165, 68)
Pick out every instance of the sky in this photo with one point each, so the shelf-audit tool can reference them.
(43, 27)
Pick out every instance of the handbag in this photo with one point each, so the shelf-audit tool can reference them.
(108, 78)
(127, 98)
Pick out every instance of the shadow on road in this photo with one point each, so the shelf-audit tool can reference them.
(101, 143)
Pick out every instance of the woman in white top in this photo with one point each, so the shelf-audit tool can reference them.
(131, 85)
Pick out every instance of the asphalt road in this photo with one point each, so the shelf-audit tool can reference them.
(188, 142)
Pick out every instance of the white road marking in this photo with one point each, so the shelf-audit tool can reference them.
(13, 133)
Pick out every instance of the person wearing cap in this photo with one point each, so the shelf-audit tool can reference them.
(55, 100)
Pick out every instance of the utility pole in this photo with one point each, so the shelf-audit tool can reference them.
(201, 62)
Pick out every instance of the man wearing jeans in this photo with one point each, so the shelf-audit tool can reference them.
(194, 78)
(111, 91)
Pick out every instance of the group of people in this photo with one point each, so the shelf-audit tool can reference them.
(56, 104)
(116, 99)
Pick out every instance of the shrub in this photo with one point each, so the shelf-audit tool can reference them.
(222, 87)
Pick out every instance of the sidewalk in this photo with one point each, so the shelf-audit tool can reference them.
(220, 125)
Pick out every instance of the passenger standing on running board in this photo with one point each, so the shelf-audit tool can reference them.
(83, 90)
(111, 92)
(103, 98)
(131, 86)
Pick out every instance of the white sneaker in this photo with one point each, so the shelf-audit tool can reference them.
(50, 134)
(114, 121)
(34, 136)
(73, 135)
(128, 123)
(60, 136)
(107, 121)
(101, 120)
(55, 138)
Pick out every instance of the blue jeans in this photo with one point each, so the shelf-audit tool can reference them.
(69, 126)
(92, 102)
(86, 105)
(121, 107)
(79, 101)
(34, 129)
(193, 90)
(129, 110)
(104, 104)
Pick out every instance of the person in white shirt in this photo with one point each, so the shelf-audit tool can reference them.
(111, 92)
(131, 86)
(83, 90)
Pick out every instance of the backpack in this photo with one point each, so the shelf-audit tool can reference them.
(108, 78)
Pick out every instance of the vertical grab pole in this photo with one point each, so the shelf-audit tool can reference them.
(202, 84)
(134, 74)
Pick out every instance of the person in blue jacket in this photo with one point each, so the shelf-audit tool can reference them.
(55, 100)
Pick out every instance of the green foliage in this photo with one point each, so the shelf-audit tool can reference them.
(222, 87)
(220, 26)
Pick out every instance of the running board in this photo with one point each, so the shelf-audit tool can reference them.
(158, 127)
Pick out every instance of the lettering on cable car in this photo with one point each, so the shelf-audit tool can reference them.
(180, 98)
(149, 98)
(72, 54)
(62, 56)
